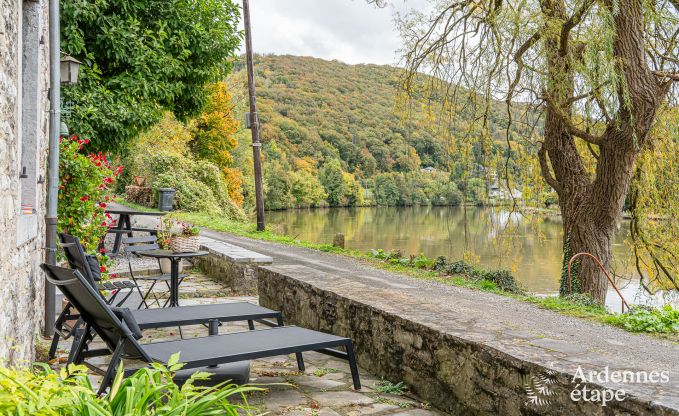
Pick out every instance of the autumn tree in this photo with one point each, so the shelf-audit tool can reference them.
(214, 136)
(596, 71)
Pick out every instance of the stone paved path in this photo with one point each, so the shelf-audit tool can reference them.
(324, 389)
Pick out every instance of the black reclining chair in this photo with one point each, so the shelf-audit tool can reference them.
(78, 260)
(120, 336)
(211, 315)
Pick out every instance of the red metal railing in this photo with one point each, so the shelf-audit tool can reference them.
(603, 269)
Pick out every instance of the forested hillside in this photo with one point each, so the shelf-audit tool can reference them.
(342, 134)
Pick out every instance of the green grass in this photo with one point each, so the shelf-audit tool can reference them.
(137, 207)
(386, 386)
(571, 307)
(321, 371)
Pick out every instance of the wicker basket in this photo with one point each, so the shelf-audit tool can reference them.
(180, 244)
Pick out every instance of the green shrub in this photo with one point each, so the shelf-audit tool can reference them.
(459, 267)
(421, 261)
(502, 278)
(488, 280)
(39, 391)
(200, 184)
(647, 319)
(582, 299)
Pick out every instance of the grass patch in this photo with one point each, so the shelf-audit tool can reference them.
(570, 307)
(386, 386)
(134, 206)
(321, 371)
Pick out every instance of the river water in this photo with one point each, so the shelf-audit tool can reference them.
(493, 237)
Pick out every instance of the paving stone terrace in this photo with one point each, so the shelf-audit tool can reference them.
(324, 389)
(465, 351)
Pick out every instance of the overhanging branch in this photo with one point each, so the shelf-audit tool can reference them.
(571, 127)
(546, 172)
(674, 76)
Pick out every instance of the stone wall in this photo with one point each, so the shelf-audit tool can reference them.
(453, 372)
(239, 277)
(21, 235)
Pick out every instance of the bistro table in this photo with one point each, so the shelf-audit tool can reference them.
(175, 258)
(124, 224)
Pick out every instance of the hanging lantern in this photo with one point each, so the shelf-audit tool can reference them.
(70, 68)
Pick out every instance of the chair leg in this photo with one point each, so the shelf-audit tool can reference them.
(79, 342)
(148, 293)
(112, 368)
(58, 327)
(353, 366)
(125, 298)
(76, 354)
(251, 325)
(300, 361)
(53, 346)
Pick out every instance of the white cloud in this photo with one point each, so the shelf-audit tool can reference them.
(351, 31)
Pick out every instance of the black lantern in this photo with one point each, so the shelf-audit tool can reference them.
(70, 68)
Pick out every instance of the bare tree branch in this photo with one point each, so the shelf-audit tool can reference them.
(571, 127)
(572, 22)
(674, 76)
(546, 172)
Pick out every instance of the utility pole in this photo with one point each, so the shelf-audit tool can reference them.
(53, 161)
(254, 120)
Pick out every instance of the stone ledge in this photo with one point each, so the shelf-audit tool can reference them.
(232, 253)
(452, 361)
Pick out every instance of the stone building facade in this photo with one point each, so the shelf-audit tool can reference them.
(24, 120)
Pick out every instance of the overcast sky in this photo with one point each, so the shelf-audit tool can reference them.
(350, 31)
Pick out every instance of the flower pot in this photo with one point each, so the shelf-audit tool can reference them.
(182, 244)
(165, 266)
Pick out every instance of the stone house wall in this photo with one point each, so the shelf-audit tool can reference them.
(24, 117)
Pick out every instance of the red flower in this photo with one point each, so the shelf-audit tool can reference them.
(103, 269)
(102, 205)
(102, 250)
(84, 198)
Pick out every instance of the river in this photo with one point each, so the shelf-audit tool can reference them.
(493, 237)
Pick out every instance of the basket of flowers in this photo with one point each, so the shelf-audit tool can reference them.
(187, 240)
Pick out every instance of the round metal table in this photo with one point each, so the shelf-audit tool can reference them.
(175, 258)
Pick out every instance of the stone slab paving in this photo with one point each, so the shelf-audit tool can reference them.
(324, 389)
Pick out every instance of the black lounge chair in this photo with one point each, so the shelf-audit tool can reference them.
(121, 337)
(211, 315)
(78, 260)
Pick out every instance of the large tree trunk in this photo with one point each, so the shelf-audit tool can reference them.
(591, 206)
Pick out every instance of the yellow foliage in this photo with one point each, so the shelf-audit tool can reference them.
(214, 131)
(234, 182)
(169, 134)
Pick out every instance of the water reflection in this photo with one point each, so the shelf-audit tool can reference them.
(531, 248)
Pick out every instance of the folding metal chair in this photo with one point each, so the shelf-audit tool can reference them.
(132, 247)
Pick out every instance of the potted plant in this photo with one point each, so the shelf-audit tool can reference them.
(186, 240)
(164, 237)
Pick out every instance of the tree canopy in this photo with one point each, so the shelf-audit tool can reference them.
(141, 58)
(599, 73)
